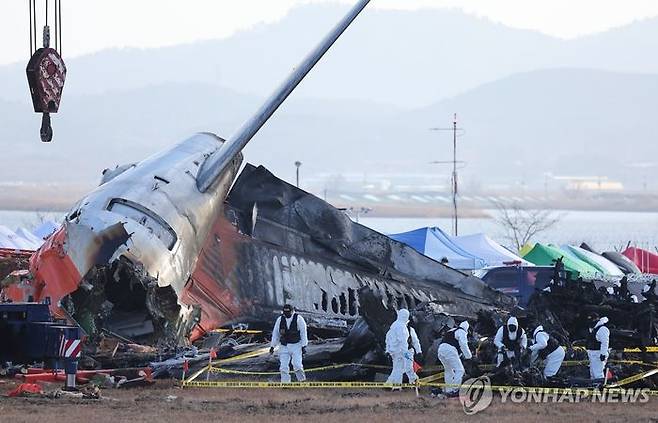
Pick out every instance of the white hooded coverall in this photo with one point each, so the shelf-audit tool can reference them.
(449, 357)
(409, 357)
(596, 366)
(498, 339)
(290, 352)
(553, 361)
(397, 345)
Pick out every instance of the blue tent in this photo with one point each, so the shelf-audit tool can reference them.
(434, 243)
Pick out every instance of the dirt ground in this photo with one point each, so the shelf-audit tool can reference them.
(166, 403)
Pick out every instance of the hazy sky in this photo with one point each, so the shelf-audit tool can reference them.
(91, 25)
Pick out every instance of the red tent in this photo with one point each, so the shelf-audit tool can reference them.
(645, 260)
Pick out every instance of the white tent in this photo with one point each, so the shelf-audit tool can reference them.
(9, 239)
(29, 237)
(601, 263)
(490, 251)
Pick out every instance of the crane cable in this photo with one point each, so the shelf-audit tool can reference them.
(29, 2)
(32, 8)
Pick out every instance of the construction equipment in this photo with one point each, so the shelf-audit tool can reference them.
(29, 334)
(46, 71)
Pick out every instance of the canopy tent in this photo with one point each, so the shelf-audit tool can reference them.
(600, 263)
(645, 260)
(434, 243)
(9, 239)
(29, 237)
(493, 254)
(545, 255)
(623, 262)
(525, 248)
(6, 239)
(568, 253)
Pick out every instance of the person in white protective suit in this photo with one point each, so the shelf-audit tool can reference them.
(413, 349)
(454, 341)
(289, 333)
(397, 346)
(598, 341)
(511, 341)
(546, 348)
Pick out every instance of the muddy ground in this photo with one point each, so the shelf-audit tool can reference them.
(167, 403)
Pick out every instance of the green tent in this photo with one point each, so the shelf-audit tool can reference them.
(545, 255)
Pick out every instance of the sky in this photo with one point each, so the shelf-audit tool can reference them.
(93, 25)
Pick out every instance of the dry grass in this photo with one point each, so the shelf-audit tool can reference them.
(165, 403)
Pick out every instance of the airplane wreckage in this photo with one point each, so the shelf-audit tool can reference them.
(167, 250)
(170, 248)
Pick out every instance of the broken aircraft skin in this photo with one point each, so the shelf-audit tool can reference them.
(146, 217)
(235, 262)
(155, 253)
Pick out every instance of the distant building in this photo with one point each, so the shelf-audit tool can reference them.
(608, 186)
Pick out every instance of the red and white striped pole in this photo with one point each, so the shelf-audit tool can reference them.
(70, 350)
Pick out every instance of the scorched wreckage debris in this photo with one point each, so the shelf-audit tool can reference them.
(162, 252)
(170, 248)
(270, 243)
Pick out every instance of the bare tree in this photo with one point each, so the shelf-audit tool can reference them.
(521, 224)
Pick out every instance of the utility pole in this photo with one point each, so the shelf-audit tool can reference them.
(454, 172)
(297, 165)
(454, 129)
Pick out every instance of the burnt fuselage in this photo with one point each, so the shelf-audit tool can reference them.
(277, 244)
(147, 247)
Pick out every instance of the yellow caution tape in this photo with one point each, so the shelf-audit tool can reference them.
(248, 331)
(311, 370)
(427, 381)
(649, 349)
(631, 362)
(244, 356)
(570, 363)
(242, 372)
(245, 384)
(432, 378)
(216, 369)
(635, 378)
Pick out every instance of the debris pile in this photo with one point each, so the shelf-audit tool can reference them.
(564, 309)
